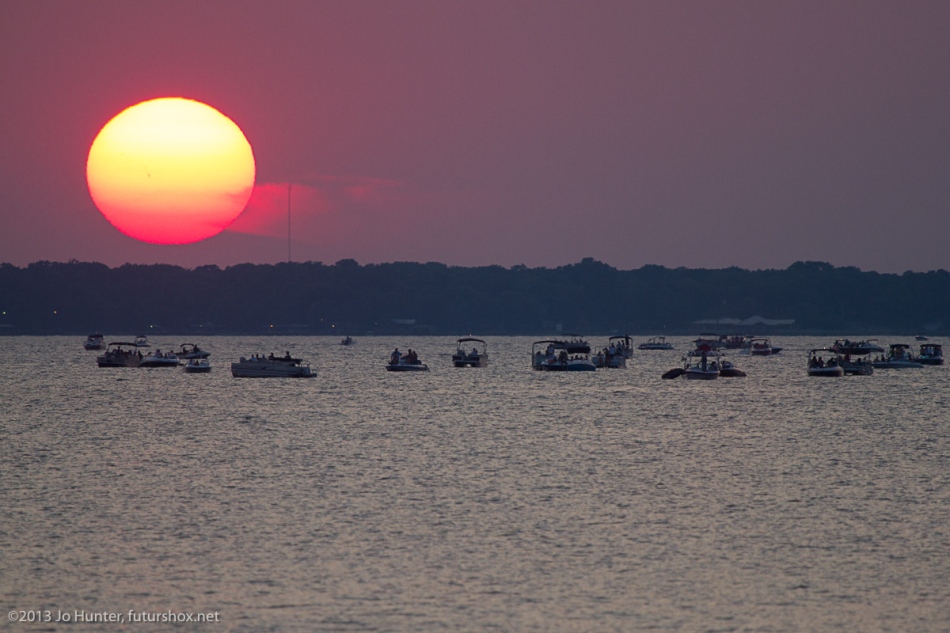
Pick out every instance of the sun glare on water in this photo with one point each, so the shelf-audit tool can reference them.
(170, 171)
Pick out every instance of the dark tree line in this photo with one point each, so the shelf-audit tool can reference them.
(346, 298)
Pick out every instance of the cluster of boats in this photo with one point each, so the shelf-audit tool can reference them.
(752, 345)
(706, 361)
(574, 354)
(861, 358)
(129, 354)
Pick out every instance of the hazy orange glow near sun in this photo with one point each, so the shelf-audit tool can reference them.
(170, 171)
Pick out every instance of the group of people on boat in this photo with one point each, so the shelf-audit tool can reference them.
(616, 348)
(270, 357)
(124, 353)
(409, 358)
(818, 361)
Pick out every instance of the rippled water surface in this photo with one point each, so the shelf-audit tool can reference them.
(473, 499)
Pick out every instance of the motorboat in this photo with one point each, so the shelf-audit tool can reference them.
(621, 344)
(95, 342)
(762, 346)
(728, 370)
(120, 354)
(856, 364)
(657, 342)
(734, 341)
(898, 356)
(260, 366)
(615, 355)
(158, 358)
(701, 365)
(347, 341)
(705, 364)
(197, 366)
(707, 341)
(558, 356)
(576, 345)
(191, 350)
(405, 362)
(478, 357)
(930, 354)
(609, 358)
(844, 346)
(921, 337)
(818, 366)
(141, 341)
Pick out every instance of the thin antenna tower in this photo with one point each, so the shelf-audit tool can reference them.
(289, 185)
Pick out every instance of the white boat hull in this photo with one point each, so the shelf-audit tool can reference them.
(270, 369)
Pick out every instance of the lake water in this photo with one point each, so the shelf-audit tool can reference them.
(471, 499)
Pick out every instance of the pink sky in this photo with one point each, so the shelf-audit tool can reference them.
(697, 134)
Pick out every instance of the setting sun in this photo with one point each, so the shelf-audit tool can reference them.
(170, 171)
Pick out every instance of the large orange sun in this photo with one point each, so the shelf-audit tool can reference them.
(170, 171)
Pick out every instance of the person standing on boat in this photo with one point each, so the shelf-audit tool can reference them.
(394, 358)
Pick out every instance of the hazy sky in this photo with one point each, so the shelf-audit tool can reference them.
(700, 134)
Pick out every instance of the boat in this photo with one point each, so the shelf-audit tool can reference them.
(705, 364)
(921, 337)
(609, 358)
(701, 365)
(657, 342)
(120, 354)
(734, 341)
(576, 345)
(762, 346)
(347, 341)
(818, 366)
(844, 346)
(197, 366)
(158, 358)
(898, 356)
(707, 341)
(621, 344)
(141, 341)
(930, 354)
(478, 357)
(615, 355)
(191, 350)
(858, 364)
(260, 366)
(728, 370)
(559, 356)
(405, 362)
(95, 342)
